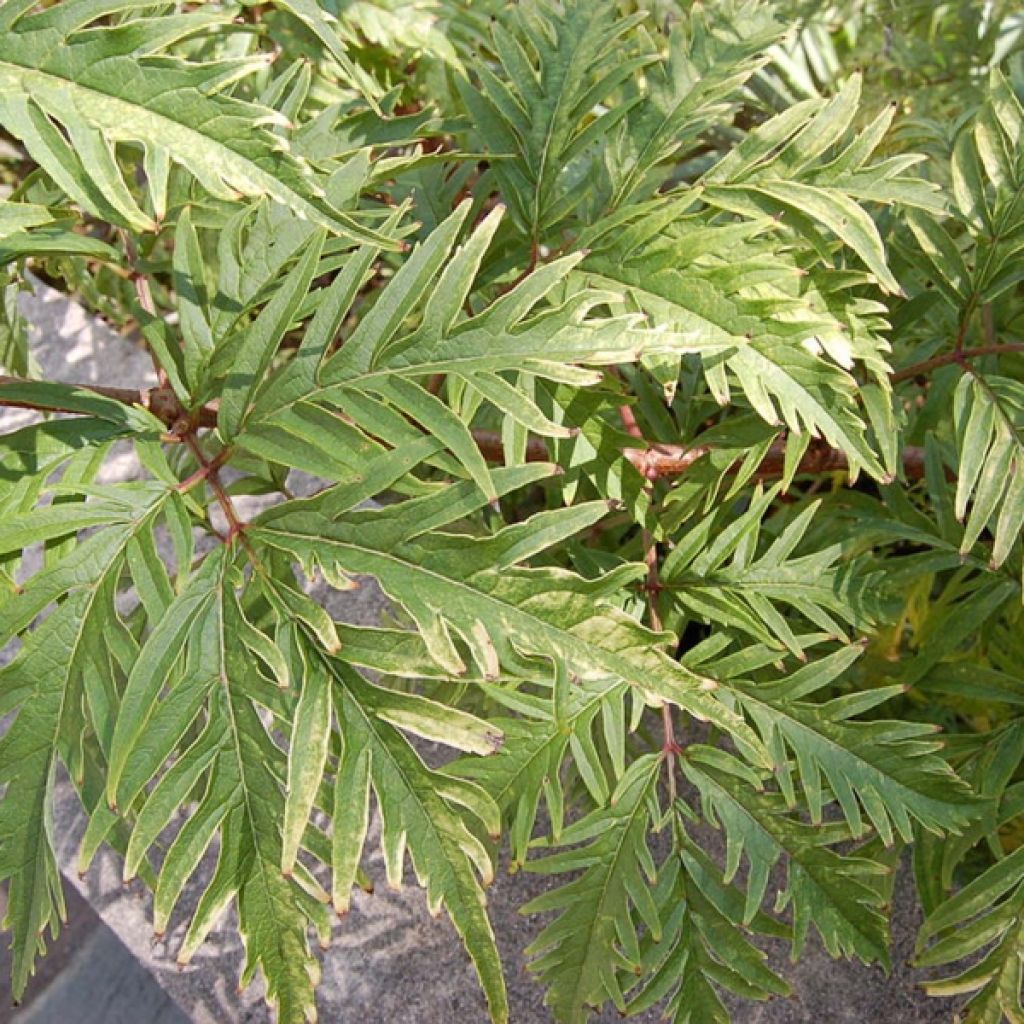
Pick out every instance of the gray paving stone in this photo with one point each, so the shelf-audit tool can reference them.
(81, 923)
(390, 961)
(103, 984)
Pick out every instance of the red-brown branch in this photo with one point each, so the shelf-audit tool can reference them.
(670, 748)
(162, 402)
(666, 460)
(654, 462)
(958, 355)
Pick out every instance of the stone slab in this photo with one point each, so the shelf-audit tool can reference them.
(103, 983)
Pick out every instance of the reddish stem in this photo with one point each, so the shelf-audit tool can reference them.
(958, 355)
(210, 468)
(669, 460)
(654, 461)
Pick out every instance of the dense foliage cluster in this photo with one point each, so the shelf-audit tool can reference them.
(662, 362)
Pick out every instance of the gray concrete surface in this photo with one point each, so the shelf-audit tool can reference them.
(102, 983)
(390, 961)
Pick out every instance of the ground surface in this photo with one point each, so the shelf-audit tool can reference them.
(390, 960)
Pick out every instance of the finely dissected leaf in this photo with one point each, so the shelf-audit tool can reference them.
(274, 914)
(195, 619)
(48, 687)
(560, 65)
(194, 655)
(887, 769)
(716, 575)
(262, 337)
(839, 213)
(841, 896)
(711, 54)
(119, 86)
(422, 811)
(701, 948)
(989, 420)
(535, 746)
(570, 953)
(323, 24)
(986, 915)
(779, 168)
(517, 313)
(378, 379)
(718, 307)
(447, 581)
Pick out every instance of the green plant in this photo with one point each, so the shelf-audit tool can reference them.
(696, 400)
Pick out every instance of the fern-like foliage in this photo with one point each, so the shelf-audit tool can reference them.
(670, 396)
(119, 86)
(702, 951)
(559, 64)
(597, 907)
(971, 260)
